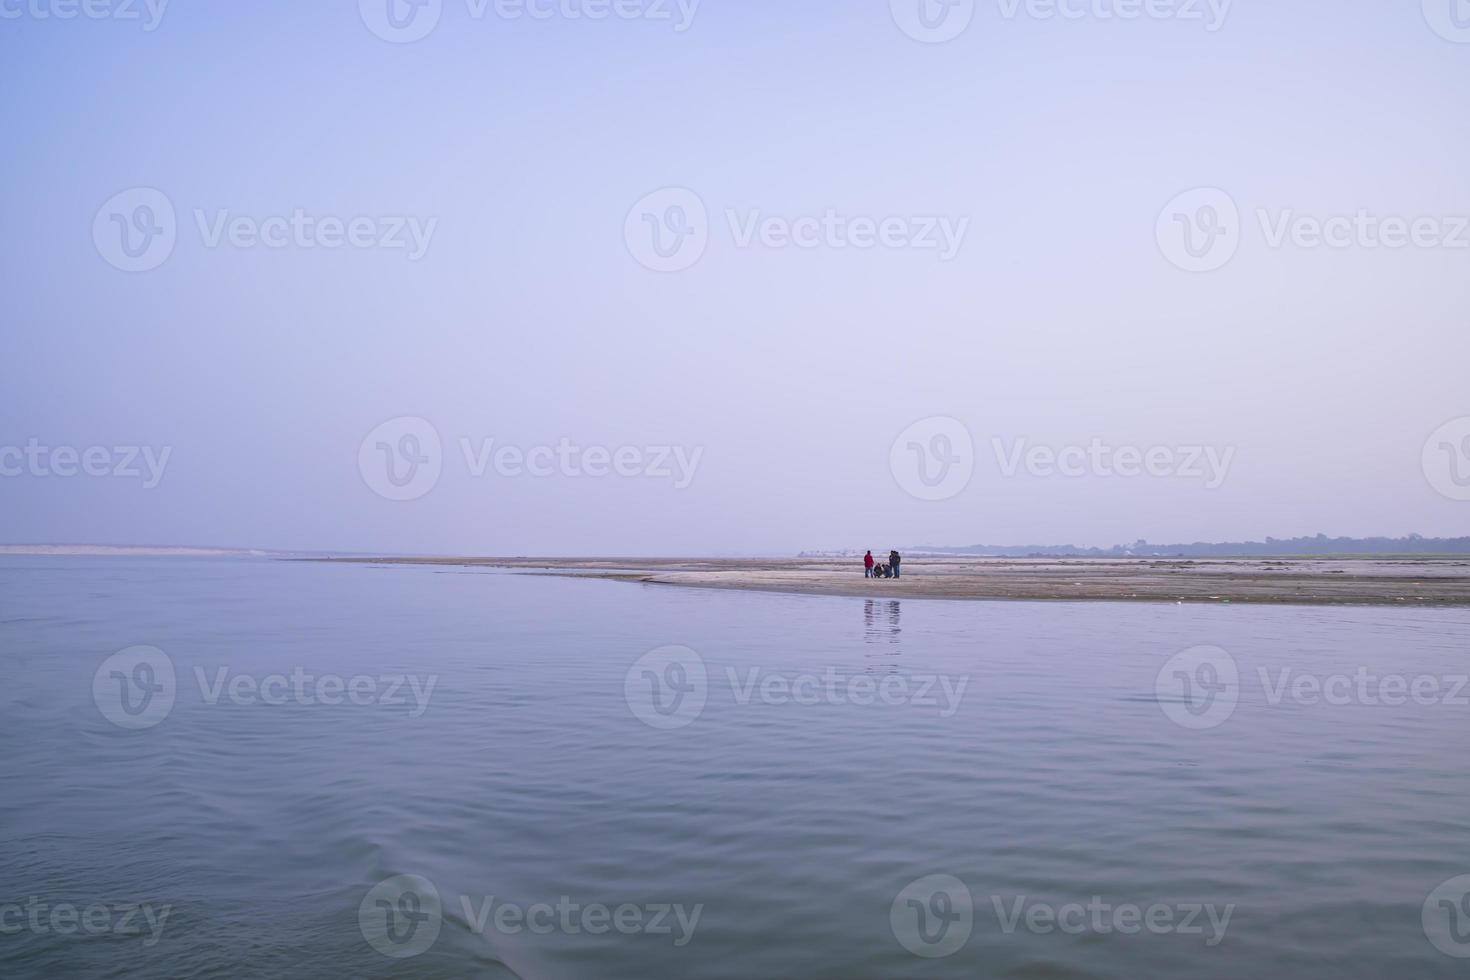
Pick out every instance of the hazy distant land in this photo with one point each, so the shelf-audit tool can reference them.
(127, 551)
(1318, 545)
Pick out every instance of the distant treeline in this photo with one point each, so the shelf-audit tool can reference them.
(1414, 544)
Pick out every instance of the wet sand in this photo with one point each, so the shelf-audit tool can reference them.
(1379, 580)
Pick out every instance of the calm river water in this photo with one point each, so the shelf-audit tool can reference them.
(236, 768)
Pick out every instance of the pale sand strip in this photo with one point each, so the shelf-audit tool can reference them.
(1393, 581)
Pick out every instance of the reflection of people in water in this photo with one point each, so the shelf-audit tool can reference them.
(873, 625)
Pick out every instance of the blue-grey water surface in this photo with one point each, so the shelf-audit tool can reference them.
(530, 776)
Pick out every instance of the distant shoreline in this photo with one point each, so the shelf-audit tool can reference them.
(1413, 580)
(125, 551)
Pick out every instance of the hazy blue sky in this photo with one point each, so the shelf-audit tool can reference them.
(519, 147)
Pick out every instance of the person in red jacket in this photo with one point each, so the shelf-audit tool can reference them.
(868, 565)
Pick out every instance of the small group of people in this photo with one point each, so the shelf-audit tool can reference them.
(888, 569)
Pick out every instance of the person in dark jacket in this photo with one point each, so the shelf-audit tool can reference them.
(894, 560)
(868, 565)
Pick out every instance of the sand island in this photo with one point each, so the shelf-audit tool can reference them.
(1411, 580)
